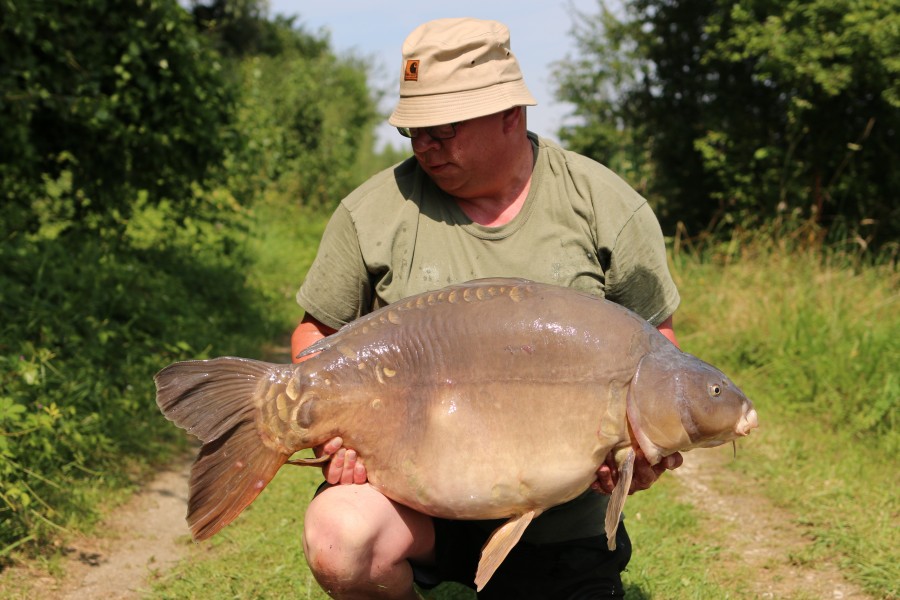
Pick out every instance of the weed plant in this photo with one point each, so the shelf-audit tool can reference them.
(810, 333)
(86, 319)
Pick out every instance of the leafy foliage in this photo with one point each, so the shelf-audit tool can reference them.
(142, 107)
(83, 331)
(738, 112)
(309, 121)
(307, 116)
(241, 28)
(131, 153)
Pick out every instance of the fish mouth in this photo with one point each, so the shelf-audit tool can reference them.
(749, 421)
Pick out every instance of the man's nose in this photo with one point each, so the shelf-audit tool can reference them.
(423, 142)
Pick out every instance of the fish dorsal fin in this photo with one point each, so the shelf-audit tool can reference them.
(499, 545)
(617, 499)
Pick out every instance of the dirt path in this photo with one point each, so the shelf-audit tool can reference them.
(143, 538)
(758, 537)
(149, 534)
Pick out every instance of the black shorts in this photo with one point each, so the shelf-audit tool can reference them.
(572, 570)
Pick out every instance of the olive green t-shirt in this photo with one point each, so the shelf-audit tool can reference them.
(581, 226)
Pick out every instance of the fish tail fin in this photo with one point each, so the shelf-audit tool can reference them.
(227, 476)
(214, 400)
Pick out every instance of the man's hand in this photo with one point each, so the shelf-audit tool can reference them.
(644, 476)
(345, 465)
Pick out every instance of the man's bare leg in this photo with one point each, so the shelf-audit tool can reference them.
(358, 543)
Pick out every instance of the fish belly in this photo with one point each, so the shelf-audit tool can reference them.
(497, 449)
(481, 402)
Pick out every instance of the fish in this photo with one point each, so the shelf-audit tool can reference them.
(491, 399)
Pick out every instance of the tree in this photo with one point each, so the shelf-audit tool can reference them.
(306, 114)
(142, 108)
(748, 110)
(241, 28)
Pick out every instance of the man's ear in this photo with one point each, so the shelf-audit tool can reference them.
(513, 118)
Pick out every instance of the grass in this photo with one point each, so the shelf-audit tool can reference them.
(812, 337)
(285, 240)
(671, 559)
(259, 556)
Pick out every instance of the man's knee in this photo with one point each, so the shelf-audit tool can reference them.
(338, 544)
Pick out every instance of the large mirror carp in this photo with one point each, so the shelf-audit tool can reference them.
(496, 398)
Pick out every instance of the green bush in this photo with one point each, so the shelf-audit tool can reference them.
(118, 96)
(130, 155)
(83, 330)
(308, 122)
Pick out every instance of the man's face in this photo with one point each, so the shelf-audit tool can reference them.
(465, 165)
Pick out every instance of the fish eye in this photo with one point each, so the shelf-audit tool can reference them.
(715, 389)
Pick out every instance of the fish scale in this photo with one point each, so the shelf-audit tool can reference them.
(544, 380)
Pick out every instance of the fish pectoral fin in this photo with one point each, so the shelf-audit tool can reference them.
(499, 545)
(617, 499)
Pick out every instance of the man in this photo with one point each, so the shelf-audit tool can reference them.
(482, 197)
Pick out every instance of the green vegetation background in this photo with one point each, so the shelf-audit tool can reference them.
(164, 186)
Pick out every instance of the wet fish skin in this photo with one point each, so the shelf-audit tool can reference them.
(497, 398)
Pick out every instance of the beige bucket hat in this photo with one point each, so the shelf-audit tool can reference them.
(457, 69)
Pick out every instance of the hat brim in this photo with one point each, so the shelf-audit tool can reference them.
(440, 109)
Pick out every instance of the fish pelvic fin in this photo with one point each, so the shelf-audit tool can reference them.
(499, 545)
(618, 497)
(214, 400)
(318, 461)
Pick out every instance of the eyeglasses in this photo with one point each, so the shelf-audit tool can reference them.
(438, 132)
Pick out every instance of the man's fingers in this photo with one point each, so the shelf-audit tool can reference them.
(335, 468)
(673, 461)
(348, 467)
(668, 463)
(344, 466)
(607, 475)
(359, 472)
(332, 445)
(644, 474)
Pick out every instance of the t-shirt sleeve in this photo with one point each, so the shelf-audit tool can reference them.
(337, 289)
(639, 276)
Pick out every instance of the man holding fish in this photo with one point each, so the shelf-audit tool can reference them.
(482, 197)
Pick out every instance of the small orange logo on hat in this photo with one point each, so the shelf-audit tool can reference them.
(411, 72)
